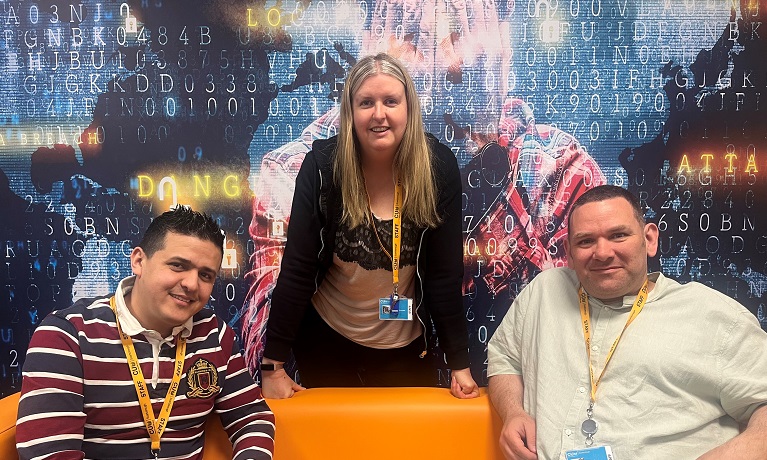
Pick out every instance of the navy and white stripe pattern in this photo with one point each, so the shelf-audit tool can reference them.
(78, 399)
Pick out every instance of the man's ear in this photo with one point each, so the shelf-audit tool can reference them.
(567, 250)
(138, 260)
(651, 235)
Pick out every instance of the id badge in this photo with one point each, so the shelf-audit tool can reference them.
(399, 309)
(592, 453)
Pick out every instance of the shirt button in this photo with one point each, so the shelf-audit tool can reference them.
(581, 390)
(595, 348)
(569, 432)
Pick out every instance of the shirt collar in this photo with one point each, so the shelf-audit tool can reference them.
(131, 326)
(628, 301)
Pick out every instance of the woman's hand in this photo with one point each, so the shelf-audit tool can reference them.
(278, 385)
(462, 385)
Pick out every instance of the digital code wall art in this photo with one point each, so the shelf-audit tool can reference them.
(112, 112)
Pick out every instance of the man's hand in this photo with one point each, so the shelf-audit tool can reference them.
(278, 385)
(518, 435)
(462, 385)
(518, 438)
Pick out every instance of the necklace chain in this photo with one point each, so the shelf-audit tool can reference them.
(375, 230)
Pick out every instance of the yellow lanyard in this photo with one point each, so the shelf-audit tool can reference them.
(396, 235)
(155, 427)
(583, 300)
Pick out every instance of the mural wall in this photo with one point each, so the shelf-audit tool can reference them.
(112, 112)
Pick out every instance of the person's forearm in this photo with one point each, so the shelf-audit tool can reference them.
(518, 435)
(751, 444)
(506, 392)
(51, 419)
(248, 419)
(255, 439)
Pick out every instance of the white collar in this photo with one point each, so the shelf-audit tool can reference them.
(131, 326)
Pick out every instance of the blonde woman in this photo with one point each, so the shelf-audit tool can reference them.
(374, 250)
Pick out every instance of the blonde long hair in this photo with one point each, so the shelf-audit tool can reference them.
(412, 162)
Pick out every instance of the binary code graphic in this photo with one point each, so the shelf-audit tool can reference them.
(112, 112)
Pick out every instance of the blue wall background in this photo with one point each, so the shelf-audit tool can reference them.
(111, 112)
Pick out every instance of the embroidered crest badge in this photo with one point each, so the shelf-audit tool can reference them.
(202, 378)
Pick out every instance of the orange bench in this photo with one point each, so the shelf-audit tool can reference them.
(353, 423)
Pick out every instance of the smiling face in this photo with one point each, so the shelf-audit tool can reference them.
(174, 283)
(608, 248)
(379, 110)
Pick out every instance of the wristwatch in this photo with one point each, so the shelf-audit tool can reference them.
(270, 367)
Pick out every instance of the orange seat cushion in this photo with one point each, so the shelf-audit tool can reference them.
(352, 423)
(384, 423)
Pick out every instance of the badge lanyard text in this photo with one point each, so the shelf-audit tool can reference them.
(396, 239)
(154, 426)
(589, 426)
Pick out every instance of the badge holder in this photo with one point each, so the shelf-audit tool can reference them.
(395, 308)
(592, 453)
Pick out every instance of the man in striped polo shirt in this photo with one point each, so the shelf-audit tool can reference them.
(134, 375)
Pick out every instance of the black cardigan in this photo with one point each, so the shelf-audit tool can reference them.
(314, 218)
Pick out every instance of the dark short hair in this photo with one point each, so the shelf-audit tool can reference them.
(607, 192)
(183, 221)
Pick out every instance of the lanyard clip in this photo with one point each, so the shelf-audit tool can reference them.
(155, 452)
(394, 296)
(394, 299)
